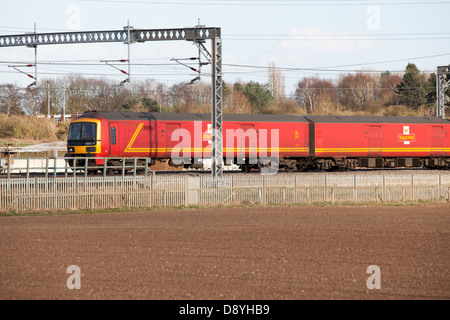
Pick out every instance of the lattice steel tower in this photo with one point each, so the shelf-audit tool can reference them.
(443, 83)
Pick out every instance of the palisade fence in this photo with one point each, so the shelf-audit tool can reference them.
(154, 191)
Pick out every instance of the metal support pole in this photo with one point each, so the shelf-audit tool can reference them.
(129, 50)
(48, 99)
(443, 83)
(34, 46)
(64, 106)
(35, 59)
(8, 155)
(217, 115)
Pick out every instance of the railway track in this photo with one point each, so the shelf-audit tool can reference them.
(81, 174)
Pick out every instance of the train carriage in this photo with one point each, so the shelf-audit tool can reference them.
(380, 142)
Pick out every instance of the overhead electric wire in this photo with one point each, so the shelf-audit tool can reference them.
(271, 3)
(174, 65)
(143, 68)
(325, 36)
(339, 37)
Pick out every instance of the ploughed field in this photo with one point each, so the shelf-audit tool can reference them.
(274, 253)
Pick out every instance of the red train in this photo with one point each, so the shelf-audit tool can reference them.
(253, 141)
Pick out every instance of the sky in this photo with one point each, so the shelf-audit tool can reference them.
(302, 38)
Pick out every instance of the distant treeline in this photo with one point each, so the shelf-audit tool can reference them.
(409, 93)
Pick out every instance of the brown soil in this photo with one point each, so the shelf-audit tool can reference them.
(270, 253)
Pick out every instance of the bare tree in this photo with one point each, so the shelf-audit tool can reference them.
(10, 100)
(32, 101)
(236, 101)
(357, 90)
(388, 85)
(312, 91)
(277, 83)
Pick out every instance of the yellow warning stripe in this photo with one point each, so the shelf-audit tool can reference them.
(129, 149)
(136, 133)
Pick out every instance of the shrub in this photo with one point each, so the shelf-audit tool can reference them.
(399, 110)
(28, 128)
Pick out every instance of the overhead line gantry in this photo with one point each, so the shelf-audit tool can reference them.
(131, 35)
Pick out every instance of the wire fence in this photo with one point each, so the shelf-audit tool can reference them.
(163, 191)
(70, 166)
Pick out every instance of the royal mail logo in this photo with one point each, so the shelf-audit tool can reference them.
(406, 137)
(207, 136)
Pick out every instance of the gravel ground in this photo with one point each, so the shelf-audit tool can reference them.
(245, 253)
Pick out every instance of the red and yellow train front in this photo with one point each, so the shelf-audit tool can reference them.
(85, 139)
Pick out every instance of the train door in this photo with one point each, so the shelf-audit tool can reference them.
(248, 141)
(375, 145)
(170, 129)
(114, 147)
(437, 141)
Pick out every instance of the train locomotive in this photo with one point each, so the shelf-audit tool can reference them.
(294, 142)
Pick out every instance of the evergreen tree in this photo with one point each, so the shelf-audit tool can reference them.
(151, 104)
(260, 96)
(431, 89)
(412, 90)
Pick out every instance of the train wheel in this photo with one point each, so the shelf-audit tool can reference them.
(303, 167)
(69, 162)
(92, 172)
(245, 169)
(91, 163)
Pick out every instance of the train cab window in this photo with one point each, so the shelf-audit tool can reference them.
(113, 135)
(83, 131)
